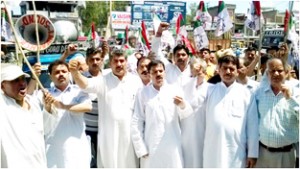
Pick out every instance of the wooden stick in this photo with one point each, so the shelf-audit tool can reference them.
(22, 52)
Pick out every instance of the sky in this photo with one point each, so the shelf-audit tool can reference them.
(241, 5)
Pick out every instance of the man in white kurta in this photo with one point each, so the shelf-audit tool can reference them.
(116, 93)
(178, 73)
(66, 143)
(21, 122)
(231, 121)
(192, 130)
(155, 123)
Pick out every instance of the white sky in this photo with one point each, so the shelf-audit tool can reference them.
(241, 5)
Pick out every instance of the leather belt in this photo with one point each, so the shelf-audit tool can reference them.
(278, 149)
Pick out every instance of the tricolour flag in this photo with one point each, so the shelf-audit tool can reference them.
(144, 35)
(156, 23)
(182, 36)
(93, 36)
(126, 34)
(253, 16)
(180, 28)
(142, 40)
(5, 26)
(200, 37)
(292, 34)
(224, 23)
(286, 20)
(203, 16)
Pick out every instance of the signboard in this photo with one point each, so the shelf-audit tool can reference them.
(272, 37)
(167, 11)
(26, 24)
(119, 20)
(52, 49)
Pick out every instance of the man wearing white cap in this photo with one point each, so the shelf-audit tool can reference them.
(21, 121)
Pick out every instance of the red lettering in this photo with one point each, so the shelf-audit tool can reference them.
(30, 18)
(47, 25)
(25, 21)
(42, 21)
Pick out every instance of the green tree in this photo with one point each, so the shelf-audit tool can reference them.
(98, 12)
(189, 17)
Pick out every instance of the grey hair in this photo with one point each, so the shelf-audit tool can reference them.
(195, 60)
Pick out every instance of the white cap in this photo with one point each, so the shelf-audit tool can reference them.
(11, 72)
(263, 51)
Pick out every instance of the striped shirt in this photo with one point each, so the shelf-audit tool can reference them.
(91, 118)
(278, 117)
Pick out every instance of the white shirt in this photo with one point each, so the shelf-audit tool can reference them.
(231, 126)
(155, 127)
(66, 144)
(192, 127)
(173, 74)
(22, 134)
(115, 103)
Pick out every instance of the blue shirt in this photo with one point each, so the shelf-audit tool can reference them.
(278, 117)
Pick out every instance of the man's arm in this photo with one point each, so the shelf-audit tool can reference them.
(72, 48)
(31, 87)
(79, 79)
(253, 64)
(252, 133)
(76, 108)
(138, 128)
(156, 43)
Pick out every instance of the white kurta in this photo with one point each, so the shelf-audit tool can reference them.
(192, 127)
(173, 74)
(22, 135)
(115, 103)
(156, 129)
(231, 127)
(66, 144)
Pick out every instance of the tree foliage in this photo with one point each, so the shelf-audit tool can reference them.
(98, 12)
(189, 17)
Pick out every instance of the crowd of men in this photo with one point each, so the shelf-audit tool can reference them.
(209, 110)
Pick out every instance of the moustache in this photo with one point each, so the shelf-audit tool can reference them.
(159, 77)
(144, 72)
(61, 78)
(180, 61)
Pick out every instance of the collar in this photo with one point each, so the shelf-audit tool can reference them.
(222, 84)
(55, 89)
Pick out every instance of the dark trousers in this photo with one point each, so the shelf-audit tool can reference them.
(94, 143)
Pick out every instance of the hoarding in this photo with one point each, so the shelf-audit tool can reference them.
(167, 11)
(119, 20)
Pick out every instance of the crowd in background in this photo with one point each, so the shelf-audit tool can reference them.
(166, 109)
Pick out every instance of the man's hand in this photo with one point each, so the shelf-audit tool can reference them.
(74, 65)
(286, 91)
(72, 48)
(179, 102)
(162, 27)
(251, 162)
(48, 101)
(37, 67)
(145, 156)
(105, 48)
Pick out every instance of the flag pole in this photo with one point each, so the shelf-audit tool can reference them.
(21, 50)
(288, 22)
(108, 26)
(261, 31)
